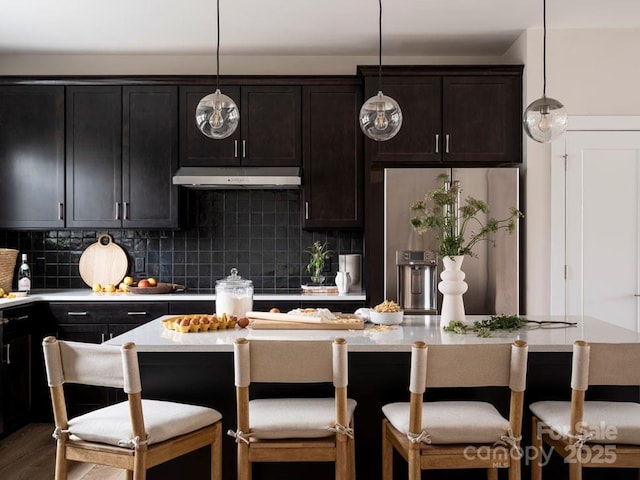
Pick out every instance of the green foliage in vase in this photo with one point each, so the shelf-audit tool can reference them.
(457, 227)
(318, 253)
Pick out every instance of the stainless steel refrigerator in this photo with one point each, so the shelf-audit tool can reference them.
(492, 276)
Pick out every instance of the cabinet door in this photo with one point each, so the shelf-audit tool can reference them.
(332, 158)
(196, 149)
(270, 122)
(16, 398)
(481, 122)
(149, 156)
(31, 156)
(94, 163)
(419, 139)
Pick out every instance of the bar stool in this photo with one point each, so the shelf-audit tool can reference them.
(592, 433)
(134, 435)
(458, 434)
(294, 429)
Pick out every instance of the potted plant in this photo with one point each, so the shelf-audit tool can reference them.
(453, 223)
(457, 228)
(318, 252)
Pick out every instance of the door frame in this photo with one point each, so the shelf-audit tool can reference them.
(557, 283)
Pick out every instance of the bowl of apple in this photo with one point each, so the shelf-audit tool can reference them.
(150, 286)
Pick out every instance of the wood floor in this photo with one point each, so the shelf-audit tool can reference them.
(29, 454)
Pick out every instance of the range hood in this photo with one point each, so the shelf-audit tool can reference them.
(238, 177)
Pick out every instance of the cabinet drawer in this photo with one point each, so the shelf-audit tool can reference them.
(116, 312)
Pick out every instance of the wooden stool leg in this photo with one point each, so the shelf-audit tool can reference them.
(492, 474)
(537, 446)
(216, 453)
(387, 453)
(352, 458)
(139, 464)
(514, 470)
(413, 459)
(244, 466)
(128, 475)
(342, 457)
(575, 471)
(61, 462)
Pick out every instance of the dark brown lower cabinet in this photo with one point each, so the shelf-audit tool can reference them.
(15, 369)
(95, 323)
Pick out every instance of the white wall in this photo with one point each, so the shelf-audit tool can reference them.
(206, 65)
(593, 72)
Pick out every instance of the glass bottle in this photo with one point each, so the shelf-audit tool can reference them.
(24, 276)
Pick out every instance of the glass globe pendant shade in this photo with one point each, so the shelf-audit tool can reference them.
(217, 115)
(380, 118)
(545, 119)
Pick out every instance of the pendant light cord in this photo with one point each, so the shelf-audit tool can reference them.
(380, 46)
(544, 48)
(218, 46)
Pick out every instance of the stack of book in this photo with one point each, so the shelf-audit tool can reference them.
(310, 289)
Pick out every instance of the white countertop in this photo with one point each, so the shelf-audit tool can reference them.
(86, 295)
(153, 337)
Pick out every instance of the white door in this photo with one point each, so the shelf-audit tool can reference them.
(601, 222)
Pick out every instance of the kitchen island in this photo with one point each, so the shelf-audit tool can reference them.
(198, 368)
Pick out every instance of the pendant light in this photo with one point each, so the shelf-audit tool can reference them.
(545, 118)
(380, 117)
(217, 115)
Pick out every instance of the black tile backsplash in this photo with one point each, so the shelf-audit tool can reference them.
(258, 232)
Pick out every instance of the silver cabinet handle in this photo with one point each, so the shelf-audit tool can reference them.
(306, 210)
(235, 149)
(102, 338)
(60, 211)
(117, 210)
(77, 314)
(131, 314)
(244, 149)
(8, 354)
(446, 143)
(110, 336)
(125, 214)
(437, 143)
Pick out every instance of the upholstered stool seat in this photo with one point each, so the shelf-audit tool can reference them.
(452, 421)
(299, 429)
(134, 435)
(295, 417)
(600, 420)
(603, 433)
(446, 434)
(162, 421)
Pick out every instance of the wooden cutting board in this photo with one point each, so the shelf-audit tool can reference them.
(343, 322)
(103, 262)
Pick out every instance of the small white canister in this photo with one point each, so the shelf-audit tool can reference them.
(234, 295)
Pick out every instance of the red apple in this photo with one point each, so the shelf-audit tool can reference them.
(144, 283)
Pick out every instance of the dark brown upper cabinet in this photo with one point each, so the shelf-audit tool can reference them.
(451, 115)
(32, 157)
(269, 133)
(149, 156)
(121, 155)
(332, 157)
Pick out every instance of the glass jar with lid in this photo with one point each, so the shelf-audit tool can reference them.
(234, 295)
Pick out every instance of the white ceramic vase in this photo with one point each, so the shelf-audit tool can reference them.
(343, 282)
(452, 288)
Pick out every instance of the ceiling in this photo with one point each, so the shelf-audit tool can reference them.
(293, 27)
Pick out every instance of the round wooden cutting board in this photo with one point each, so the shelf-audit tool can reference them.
(103, 262)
